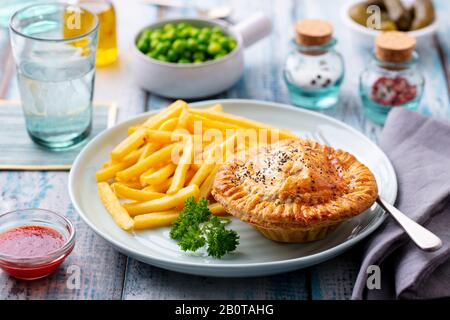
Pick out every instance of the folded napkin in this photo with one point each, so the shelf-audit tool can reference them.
(419, 149)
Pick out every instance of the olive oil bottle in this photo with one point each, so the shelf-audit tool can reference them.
(107, 50)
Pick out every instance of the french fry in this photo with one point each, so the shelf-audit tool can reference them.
(158, 176)
(227, 117)
(107, 164)
(169, 124)
(148, 149)
(132, 129)
(164, 136)
(179, 177)
(112, 204)
(164, 203)
(109, 172)
(155, 220)
(148, 172)
(137, 169)
(206, 187)
(189, 174)
(220, 151)
(133, 184)
(210, 124)
(217, 209)
(172, 111)
(183, 119)
(162, 187)
(123, 191)
(242, 122)
(205, 168)
(217, 107)
(132, 142)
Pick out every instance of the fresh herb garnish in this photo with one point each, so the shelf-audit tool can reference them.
(196, 227)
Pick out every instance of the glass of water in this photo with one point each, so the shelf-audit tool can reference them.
(55, 70)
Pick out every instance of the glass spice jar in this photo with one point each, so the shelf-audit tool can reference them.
(391, 80)
(314, 71)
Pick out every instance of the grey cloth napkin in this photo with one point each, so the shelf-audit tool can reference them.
(419, 149)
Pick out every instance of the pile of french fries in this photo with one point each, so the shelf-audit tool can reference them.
(172, 156)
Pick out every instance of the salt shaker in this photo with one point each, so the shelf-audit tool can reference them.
(314, 70)
(391, 80)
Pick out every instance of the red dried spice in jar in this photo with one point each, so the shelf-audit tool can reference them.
(391, 79)
(393, 91)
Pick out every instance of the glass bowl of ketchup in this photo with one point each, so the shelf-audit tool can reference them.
(34, 242)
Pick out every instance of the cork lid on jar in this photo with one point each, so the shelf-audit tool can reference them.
(313, 32)
(394, 46)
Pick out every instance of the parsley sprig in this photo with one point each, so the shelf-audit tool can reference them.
(196, 227)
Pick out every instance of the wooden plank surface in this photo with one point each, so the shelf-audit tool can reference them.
(105, 273)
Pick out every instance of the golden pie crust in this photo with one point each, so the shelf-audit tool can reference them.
(295, 190)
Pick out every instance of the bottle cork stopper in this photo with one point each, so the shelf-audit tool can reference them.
(394, 46)
(313, 32)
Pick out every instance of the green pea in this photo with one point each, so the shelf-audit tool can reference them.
(162, 48)
(214, 48)
(215, 37)
(143, 45)
(156, 34)
(202, 47)
(181, 25)
(231, 44)
(158, 30)
(142, 37)
(194, 32)
(206, 30)
(152, 54)
(203, 38)
(191, 44)
(172, 55)
(186, 55)
(162, 57)
(179, 45)
(154, 43)
(220, 54)
(184, 61)
(183, 34)
(223, 42)
(169, 35)
(217, 30)
(146, 34)
(198, 56)
(168, 27)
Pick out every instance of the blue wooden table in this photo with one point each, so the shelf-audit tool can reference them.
(95, 270)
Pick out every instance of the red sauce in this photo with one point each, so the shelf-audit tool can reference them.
(31, 242)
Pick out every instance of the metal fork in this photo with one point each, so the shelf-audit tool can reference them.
(423, 238)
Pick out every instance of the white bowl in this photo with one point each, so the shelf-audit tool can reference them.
(366, 36)
(188, 81)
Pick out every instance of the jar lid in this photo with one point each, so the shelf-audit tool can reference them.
(394, 46)
(313, 32)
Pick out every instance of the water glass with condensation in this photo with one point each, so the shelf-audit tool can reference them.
(55, 71)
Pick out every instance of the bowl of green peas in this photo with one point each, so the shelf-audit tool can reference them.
(193, 58)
